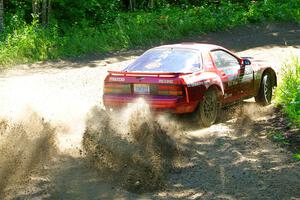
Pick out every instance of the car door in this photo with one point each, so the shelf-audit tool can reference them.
(246, 80)
(228, 67)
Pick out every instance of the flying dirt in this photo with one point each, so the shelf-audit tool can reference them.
(132, 147)
(58, 142)
(24, 145)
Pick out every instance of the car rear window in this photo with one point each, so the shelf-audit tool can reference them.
(166, 60)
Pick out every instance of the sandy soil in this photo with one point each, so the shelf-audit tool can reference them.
(45, 108)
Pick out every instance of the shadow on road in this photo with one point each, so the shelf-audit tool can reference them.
(71, 178)
(254, 35)
(239, 164)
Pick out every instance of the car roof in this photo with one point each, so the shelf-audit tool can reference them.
(194, 46)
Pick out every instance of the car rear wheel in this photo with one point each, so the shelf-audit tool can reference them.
(209, 108)
(265, 92)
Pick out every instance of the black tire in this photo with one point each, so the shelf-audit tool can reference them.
(265, 93)
(209, 108)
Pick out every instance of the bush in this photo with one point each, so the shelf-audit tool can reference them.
(288, 91)
(29, 43)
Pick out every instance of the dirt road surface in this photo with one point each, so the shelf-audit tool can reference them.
(43, 113)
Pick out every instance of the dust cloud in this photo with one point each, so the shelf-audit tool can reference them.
(36, 126)
(24, 146)
(131, 146)
(248, 111)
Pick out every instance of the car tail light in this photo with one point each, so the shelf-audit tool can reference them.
(117, 88)
(171, 90)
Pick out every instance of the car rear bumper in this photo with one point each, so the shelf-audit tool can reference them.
(158, 103)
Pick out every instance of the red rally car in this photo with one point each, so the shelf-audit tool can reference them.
(190, 77)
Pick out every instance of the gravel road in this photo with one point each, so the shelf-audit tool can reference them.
(43, 113)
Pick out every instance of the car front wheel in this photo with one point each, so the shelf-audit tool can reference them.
(209, 108)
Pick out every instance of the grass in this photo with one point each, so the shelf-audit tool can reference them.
(287, 93)
(23, 43)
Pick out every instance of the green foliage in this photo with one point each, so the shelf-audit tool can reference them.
(297, 156)
(288, 91)
(28, 43)
(92, 12)
(20, 8)
(94, 26)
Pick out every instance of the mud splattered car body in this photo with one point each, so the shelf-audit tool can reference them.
(184, 78)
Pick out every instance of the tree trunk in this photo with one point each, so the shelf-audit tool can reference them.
(35, 7)
(44, 12)
(151, 3)
(48, 11)
(1, 16)
(130, 5)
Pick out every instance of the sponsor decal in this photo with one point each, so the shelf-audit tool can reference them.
(205, 79)
(195, 84)
(198, 83)
(165, 81)
(117, 79)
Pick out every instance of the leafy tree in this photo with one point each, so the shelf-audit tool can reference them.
(70, 12)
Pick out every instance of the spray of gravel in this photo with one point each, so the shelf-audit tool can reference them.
(131, 146)
(25, 145)
(247, 112)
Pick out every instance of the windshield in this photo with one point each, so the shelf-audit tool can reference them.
(166, 60)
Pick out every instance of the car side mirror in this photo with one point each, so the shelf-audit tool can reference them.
(245, 62)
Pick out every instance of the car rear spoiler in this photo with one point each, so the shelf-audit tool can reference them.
(151, 74)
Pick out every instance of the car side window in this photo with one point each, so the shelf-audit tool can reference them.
(223, 59)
